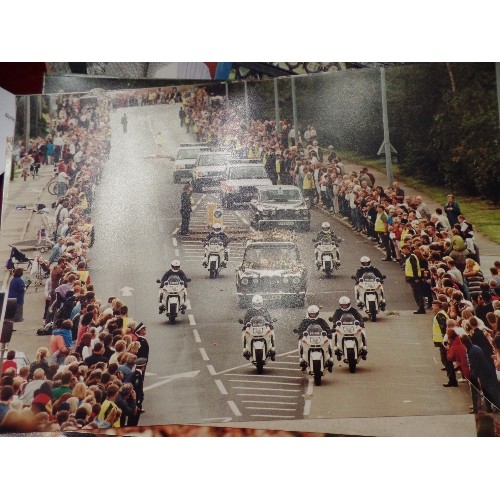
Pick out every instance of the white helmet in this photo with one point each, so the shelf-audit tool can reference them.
(325, 226)
(313, 312)
(217, 228)
(365, 261)
(345, 303)
(175, 265)
(257, 301)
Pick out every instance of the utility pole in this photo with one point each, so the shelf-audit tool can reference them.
(27, 120)
(385, 119)
(294, 111)
(277, 106)
(497, 67)
(246, 102)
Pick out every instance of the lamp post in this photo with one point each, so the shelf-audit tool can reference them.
(385, 119)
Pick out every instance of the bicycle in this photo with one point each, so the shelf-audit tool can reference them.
(42, 271)
(34, 169)
(53, 187)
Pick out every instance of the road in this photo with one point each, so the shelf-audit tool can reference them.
(196, 373)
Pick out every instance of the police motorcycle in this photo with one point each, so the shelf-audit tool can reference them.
(215, 256)
(349, 341)
(259, 340)
(173, 297)
(370, 294)
(315, 349)
(326, 256)
(327, 253)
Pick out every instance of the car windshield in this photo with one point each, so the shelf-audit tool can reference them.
(280, 195)
(247, 173)
(188, 154)
(213, 160)
(271, 257)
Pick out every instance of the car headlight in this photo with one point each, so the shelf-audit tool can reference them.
(244, 281)
(296, 280)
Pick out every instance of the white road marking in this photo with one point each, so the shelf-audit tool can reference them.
(174, 241)
(191, 319)
(188, 305)
(310, 388)
(211, 369)
(250, 364)
(265, 395)
(176, 252)
(204, 354)
(270, 409)
(260, 376)
(233, 407)
(267, 389)
(217, 419)
(271, 402)
(263, 382)
(196, 336)
(270, 416)
(170, 378)
(175, 231)
(307, 408)
(220, 386)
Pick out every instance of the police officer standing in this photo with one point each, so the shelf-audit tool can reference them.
(186, 202)
(413, 276)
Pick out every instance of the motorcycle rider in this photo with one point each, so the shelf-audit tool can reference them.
(328, 234)
(175, 270)
(366, 267)
(217, 232)
(313, 318)
(345, 308)
(258, 309)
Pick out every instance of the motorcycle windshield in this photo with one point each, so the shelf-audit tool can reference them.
(258, 325)
(370, 278)
(348, 323)
(214, 244)
(173, 280)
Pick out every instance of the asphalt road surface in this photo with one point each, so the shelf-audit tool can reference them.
(196, 372)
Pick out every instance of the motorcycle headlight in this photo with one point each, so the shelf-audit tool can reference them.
(255, 280)
(265, 212)
(296, 280)
(244, 281)
(285, 280)
(298, 212)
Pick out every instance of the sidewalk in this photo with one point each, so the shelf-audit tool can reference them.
(19, 226)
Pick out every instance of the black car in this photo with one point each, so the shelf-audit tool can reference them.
(271, 269)
(279, 206)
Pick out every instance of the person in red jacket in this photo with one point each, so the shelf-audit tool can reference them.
(457, 352)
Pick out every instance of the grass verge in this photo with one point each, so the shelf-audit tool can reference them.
(483, 214)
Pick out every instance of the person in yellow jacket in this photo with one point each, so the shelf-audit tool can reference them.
(308, 185)
(413, 276)
(439, 324)
(109, 409)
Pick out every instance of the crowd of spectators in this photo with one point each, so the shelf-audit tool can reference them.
(441, 239)
(91, 373)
